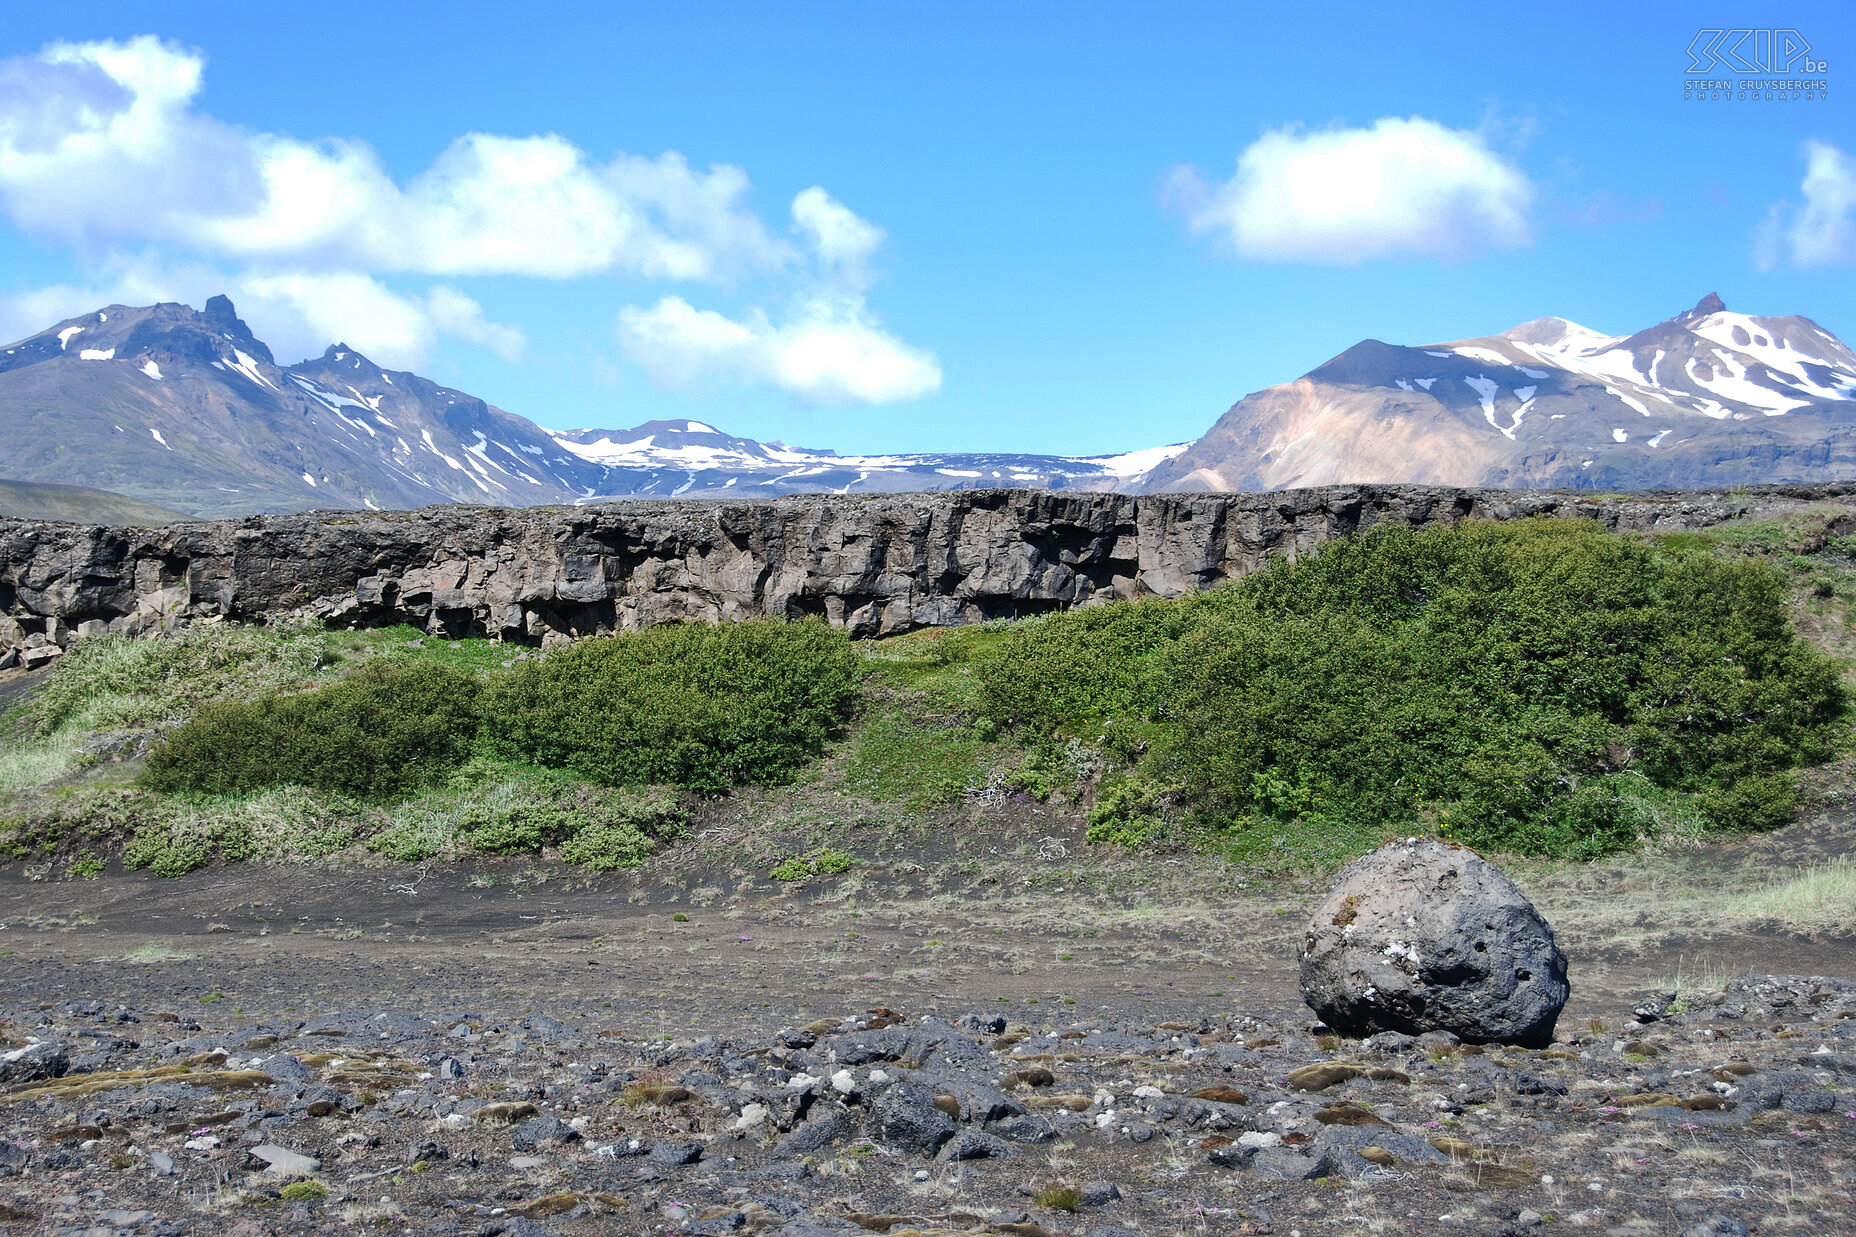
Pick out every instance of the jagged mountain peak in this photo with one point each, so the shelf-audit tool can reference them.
(1706, 306)
(221, 314)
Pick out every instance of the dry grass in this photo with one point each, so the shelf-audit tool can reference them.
(1821, 897)
(26, 765)
(197, 1071)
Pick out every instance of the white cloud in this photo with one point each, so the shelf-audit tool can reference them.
(301, 312)
(832, 352)
(453, 313)
(1822, 231)
(843, 242)
(102, 148)
(1403, 187)
(100, 145)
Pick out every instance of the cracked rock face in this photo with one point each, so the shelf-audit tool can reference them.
(1423, 935)
(870, 565)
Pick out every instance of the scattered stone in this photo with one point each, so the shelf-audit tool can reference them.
(33, 1063)
(675, 1155)
(1285, 1164)
(284, 1162)
(974, 1145)
(1232, 1155)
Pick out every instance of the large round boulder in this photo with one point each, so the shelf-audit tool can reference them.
(1424, 935)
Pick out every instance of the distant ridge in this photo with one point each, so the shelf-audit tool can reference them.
(188, 409)
(77, 504)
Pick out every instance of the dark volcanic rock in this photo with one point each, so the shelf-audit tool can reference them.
(30, 1064)
(905, 1118)
(1427, 935)
(873, 565)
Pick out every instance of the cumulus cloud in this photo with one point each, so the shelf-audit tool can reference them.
(304, 311)
(1399, 188)
(1822, 230)
(843, 242)
(102, 148)
(831, 352)
(100, 144)
(453, 313)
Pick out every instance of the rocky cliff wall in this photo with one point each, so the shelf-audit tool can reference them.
(872, 564)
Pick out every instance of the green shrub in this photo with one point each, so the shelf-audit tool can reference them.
(422, 834)
(385, 730)
(304, 1192)
(1543, 685)
(907, 751)
(1127, 812)
(502, 809)
(822, 862)
(179, 845)
(1752, 803)
(688, 705)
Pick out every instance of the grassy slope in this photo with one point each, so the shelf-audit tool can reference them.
(914, 786)
(77, 504)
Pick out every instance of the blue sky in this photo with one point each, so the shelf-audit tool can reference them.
(884, 227)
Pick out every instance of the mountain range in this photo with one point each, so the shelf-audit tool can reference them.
(1708, 398)
(187, 409)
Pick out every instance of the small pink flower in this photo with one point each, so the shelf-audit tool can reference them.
(747, 938)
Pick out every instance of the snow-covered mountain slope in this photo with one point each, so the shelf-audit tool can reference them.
(190, 410)
(689, 458)
(1707, 398)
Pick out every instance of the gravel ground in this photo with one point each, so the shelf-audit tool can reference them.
(253, 1050)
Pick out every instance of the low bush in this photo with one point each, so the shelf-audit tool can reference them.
(1542, 686)
(823, 862)
(688, 705)
(1128, 811)
(919, 756)
(495, 809)
(387, 729)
